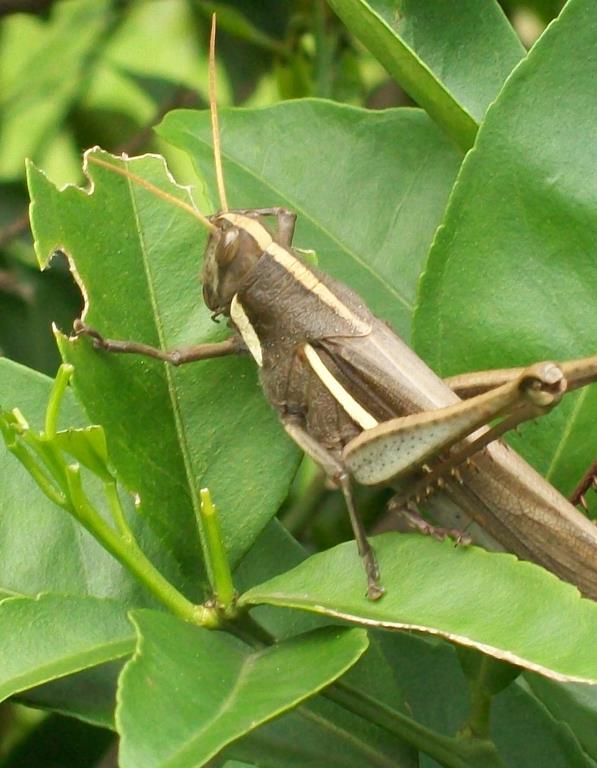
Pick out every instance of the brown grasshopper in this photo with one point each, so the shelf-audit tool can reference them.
(361, 403)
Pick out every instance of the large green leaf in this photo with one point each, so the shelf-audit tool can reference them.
(369, 188)
(52, 636)
(169, 432)
(431, 48)
(511, 278)
(512, 610)
(189, 692)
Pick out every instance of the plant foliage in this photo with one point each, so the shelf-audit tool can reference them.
(467, 222)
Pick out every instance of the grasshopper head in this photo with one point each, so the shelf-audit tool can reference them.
(230, 255)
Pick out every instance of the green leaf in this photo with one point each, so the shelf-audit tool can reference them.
(369, 188)
(511, 278)
(89, 695)
(431, 48)
(87, 445)
(320, 732)
(220, 688)
(572, 704)
(511, 610)
(528, 736)
(52, 636)
(169, 432)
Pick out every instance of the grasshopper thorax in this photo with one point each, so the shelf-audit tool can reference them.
(230, 254)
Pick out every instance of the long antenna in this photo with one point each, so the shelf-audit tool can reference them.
(155, 190)
(213, 108)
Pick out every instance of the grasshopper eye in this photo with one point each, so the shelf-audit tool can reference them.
(228, 247)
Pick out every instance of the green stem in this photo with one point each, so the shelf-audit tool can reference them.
(437, 746)
(478, 724)
(132, 557)
(217, 563)
(56, 395)
(49, 456)
(450, 751)
(486, 677)
(42, 480)
(322, 52)
(120, 521)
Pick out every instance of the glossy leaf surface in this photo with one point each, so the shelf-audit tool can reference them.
(189, 692)
(512, 610)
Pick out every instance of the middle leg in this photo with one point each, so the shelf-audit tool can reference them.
(337, 472)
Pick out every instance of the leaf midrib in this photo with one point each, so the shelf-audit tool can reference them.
(168, 372)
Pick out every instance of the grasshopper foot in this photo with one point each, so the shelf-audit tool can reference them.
(82, 329)
(418, 523)
(375, 592)
(374, 589)
(587, 482)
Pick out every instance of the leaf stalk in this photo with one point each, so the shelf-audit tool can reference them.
(55, 401)
(217, 564)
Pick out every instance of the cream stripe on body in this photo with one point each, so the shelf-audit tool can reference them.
(355, 410)
(298, 270)
(246, 330)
